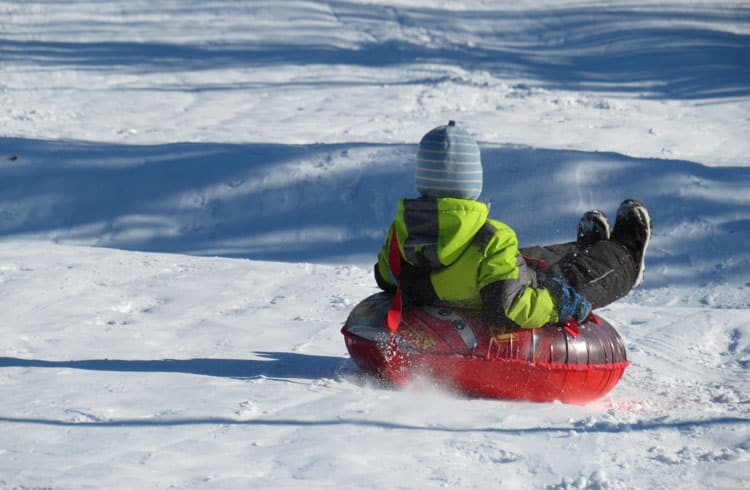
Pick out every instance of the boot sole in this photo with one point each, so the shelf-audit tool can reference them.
(645, 218)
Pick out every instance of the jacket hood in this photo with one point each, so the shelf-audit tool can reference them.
(435, 232)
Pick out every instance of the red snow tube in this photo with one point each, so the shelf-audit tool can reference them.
(454, 347)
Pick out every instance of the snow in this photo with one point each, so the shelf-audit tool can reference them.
(192, 195)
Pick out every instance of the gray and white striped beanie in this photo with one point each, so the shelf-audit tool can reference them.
(449, 164)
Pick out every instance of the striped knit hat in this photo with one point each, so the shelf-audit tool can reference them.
(449, 164)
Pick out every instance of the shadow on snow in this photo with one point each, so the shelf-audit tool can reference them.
(288, 366)
(280, 365)
(662, 51)
(332, 203)
(644, 426)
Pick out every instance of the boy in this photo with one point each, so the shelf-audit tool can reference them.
(443, 247)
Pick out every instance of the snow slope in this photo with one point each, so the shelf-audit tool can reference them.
(192, 195)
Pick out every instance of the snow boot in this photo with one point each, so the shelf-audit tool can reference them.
(633, 229)
(592, 227)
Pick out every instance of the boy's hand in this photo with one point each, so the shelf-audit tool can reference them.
(570, 303)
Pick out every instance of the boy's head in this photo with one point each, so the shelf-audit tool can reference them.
(449, 164)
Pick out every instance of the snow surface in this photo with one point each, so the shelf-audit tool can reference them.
(192, 194)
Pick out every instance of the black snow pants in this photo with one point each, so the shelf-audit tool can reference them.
(602, 272)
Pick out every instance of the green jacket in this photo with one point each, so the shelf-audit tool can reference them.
(452, 252)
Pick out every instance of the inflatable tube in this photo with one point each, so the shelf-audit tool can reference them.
(454, 347)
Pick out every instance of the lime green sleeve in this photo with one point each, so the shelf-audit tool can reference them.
(507, 284)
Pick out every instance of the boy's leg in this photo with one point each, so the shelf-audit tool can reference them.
(602, 272)
(544, 256)
(592, 227)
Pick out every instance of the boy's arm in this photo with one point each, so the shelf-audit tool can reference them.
(509, 288)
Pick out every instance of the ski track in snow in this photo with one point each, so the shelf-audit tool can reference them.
(192, 195)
